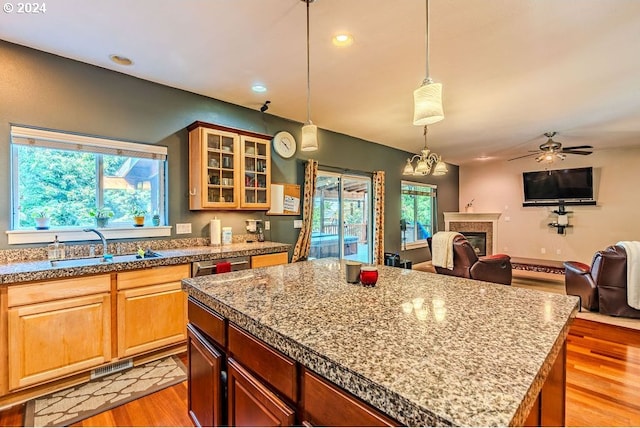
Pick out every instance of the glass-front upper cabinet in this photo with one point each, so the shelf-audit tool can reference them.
(255, 186)
(228, 168)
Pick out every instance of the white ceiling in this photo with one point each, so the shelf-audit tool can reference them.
(511, 69)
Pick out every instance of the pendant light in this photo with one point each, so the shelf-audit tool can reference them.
(309, 130)
(427, 99)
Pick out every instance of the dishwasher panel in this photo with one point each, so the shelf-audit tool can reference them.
(208, 267)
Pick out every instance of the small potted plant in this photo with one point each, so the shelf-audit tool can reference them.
(41, 217)
(102, 216)
(138, 216)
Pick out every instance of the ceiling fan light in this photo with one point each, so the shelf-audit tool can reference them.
(441, 168)
(427, 103)
(309, 138)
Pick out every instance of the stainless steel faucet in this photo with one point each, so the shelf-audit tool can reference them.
(104, 241)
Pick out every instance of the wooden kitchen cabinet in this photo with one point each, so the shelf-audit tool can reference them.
(269, 260)
(206, 381)
(255, 184)
(56, 328)
(228, 168)
(251, 403)
(151, 309)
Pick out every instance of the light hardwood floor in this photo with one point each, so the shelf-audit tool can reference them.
(603, 374)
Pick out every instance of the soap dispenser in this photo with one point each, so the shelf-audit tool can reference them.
(56, 250)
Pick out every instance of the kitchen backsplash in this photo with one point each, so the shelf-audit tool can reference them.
(114, 247)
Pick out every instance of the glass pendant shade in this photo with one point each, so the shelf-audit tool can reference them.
(423, 167)
(309, 138)
(441, 168)
(408, 168)
(427, 103)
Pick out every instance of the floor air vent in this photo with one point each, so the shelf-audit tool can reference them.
(112, 368)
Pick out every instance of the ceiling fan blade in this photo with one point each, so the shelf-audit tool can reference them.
(577, 152)
(576, 147)
(525, 156)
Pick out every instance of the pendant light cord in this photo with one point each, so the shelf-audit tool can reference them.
(426, 41)
(308, 68)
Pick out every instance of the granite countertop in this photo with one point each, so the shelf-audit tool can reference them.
(474, 354)
(13, 273)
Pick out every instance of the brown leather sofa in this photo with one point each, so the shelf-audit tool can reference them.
(466, 264)
(602, 286)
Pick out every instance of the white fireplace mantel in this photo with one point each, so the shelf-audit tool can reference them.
(476, 218)
(470, 217)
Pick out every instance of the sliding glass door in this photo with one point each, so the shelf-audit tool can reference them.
(342, 213)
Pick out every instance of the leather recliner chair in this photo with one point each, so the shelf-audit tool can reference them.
(466, 264)
(603, 285)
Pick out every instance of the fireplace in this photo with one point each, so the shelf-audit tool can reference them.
(473, 223)
(478, 241)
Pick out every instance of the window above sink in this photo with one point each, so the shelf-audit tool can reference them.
(63, 178)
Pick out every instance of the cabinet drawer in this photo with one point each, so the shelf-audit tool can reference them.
(275, 368)
(45, 291)
(152, 276)
(269, 260)
(208, 322)
(328, 405)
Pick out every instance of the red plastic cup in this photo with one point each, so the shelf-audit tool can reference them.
(368, 275)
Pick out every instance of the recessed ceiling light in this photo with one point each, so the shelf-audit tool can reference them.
(259, 88)
(342, 39)
(484, 158)
(120, 60)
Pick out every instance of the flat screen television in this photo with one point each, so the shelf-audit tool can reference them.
(573, 186)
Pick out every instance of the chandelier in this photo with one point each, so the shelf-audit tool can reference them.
(427, 99)
(426, 161)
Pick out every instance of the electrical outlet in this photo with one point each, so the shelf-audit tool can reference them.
(507, 218)
(267, 225)
(558, 251)
(543, 250)
(182, 228)
(297, 224)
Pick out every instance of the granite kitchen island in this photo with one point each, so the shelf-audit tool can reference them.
(421, 348)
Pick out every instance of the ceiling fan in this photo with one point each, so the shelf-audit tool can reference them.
(552, 150)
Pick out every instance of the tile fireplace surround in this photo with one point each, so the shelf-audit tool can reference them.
(475, 222)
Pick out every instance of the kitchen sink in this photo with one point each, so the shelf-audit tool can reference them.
(91, 261)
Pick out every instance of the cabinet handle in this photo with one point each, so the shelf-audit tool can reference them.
(307, 424)
(223, 379)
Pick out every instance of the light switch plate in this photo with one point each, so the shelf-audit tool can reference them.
(267, 225)
(297, 224)
(182, 228)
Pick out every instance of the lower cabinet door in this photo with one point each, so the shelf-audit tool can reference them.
(206, 386)
(54, 339)
(251, 403)
(151, 317)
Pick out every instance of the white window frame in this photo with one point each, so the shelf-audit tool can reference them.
(422, 243)
(21, 135)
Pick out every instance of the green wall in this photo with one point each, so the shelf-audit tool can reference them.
(47, 91)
